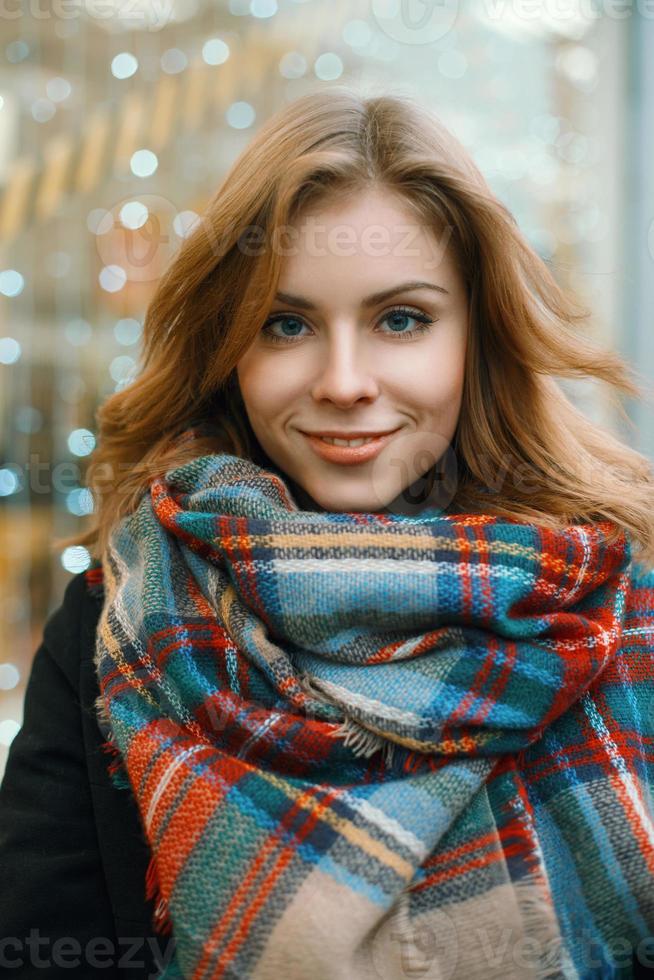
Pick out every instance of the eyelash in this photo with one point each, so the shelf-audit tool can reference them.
(424, 323)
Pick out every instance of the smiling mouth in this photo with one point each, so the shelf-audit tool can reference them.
(347, 442)
(356, 439)
(348, 452)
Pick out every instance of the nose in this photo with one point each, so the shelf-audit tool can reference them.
(346, 373)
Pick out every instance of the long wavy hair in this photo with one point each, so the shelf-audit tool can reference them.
(555, 465)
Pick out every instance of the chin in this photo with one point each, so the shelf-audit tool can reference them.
(338, 503)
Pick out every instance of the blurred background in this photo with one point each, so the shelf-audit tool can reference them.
(118, 118)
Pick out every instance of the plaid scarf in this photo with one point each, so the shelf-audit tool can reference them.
(368, 745)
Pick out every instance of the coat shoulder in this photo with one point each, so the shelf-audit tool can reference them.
(69, 630)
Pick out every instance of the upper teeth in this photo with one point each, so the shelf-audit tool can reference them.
(348, 442)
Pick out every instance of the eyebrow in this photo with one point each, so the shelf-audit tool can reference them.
(369, 301)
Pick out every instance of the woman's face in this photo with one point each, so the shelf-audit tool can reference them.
(336, 356)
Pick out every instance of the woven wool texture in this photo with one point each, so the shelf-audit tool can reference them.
(366, 745)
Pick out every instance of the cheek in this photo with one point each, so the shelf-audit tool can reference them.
(436, 391)
(267, 385)
(250, 388)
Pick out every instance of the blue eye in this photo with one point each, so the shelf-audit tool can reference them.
(281, 319)
(403, 313)
(399, 314)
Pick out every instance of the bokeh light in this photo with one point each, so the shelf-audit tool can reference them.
(12, 282)
(81, 442)
(263, 8)
(75, 559)
(43, 110)
(173, 61)
(127, 331)
(215, 51)
(143, 163)
(10, 480)
(9, 676)
(293, 65)
(80, 501)
(185, 222)
(124, 65)
(10, 350)
(122, 367)
(134, 214)
(328, 66)
(58, 89)
(240, 115)
(28, 419)
(78, 331)
(112, 278)
(9, 729)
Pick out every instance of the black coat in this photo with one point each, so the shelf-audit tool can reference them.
(73, 857)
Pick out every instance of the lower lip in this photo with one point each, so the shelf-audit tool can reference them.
(348, 455)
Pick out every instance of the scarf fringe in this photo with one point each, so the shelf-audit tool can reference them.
(172, 971)
(161, 918)
(362, 741)
(116, 768)
(355, 735)
(541, 924)
(535, 916)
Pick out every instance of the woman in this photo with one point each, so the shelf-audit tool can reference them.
(372, 710)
